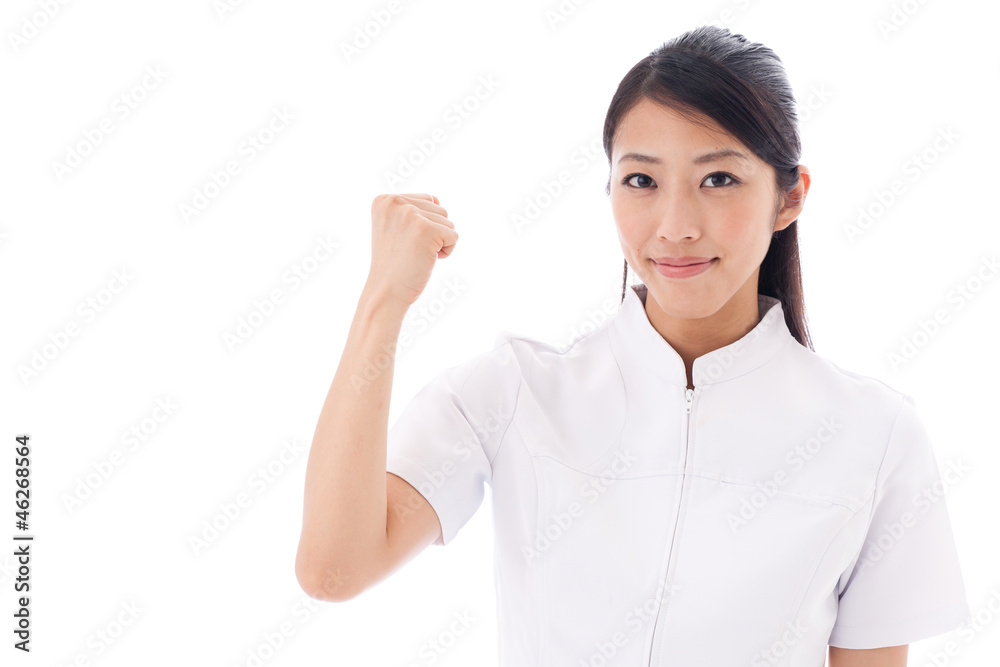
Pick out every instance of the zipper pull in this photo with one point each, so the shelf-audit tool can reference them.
(690, 397)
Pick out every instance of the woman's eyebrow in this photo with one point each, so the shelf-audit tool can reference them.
(699, 159)
(720, 154)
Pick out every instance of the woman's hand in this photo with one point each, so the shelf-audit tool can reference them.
(410, 232)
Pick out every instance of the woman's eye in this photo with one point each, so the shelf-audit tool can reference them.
(719, 174)
(628, 178)
(715, 180)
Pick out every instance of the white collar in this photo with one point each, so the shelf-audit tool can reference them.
(633, 335)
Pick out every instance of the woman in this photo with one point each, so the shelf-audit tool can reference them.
(690, 483)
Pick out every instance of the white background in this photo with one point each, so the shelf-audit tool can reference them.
(163, 336)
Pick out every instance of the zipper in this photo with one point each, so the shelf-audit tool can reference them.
(689, 400)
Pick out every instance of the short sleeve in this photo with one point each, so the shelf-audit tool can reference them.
(906, 583)
(446, 438)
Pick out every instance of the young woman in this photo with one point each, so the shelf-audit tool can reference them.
(688, 484)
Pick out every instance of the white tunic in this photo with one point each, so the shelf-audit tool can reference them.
(782, 505)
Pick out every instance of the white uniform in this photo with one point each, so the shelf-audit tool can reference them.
(782, 505)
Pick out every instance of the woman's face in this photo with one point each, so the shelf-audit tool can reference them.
(675, 200)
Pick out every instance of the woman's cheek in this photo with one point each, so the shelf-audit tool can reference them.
(631, 233)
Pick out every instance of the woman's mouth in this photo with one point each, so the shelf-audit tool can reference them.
(684, 271)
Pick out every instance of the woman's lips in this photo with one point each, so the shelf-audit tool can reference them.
(685, 271)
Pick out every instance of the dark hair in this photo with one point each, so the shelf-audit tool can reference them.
(742, 86)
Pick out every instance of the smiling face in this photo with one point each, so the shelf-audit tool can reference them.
(671, 198)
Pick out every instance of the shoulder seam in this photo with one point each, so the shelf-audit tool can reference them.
(603, 326)
(852, 374)
(517, 395)
(885, 455)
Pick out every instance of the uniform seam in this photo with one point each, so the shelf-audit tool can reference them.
(885, 455)
(427, 473)
(870, 498)
(538, 574)
(547, 347)
(597, 475)
(910, 619)
(851, 374)
(618, 365)
(461, 389)
(804, 587)
(621, 376)
(826, 500)
(781, 348)
(506, 430)
(853, 508)
(409, 460)
(510, 423)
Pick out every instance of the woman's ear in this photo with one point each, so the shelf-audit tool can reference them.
(794, 201)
